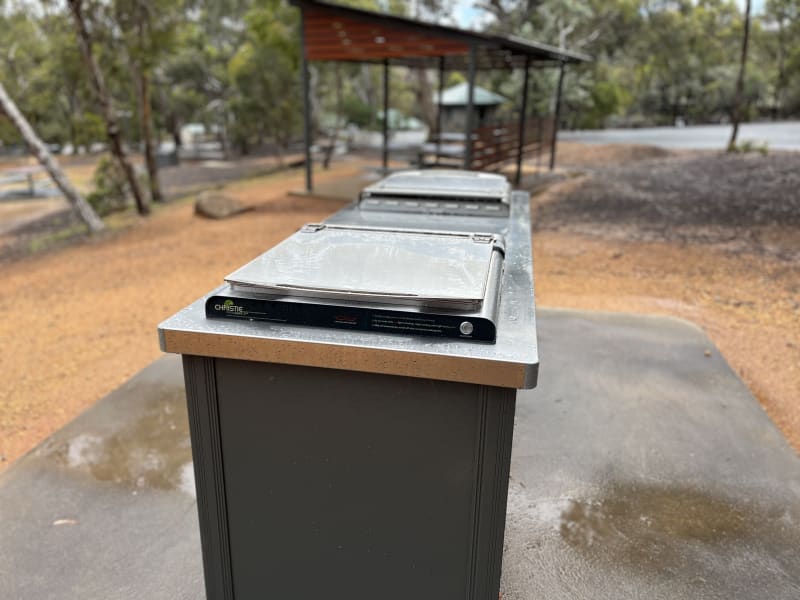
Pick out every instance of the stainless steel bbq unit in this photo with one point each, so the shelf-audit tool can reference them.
(351, 397)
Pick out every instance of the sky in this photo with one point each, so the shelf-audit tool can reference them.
(758, 5)
(467, 16)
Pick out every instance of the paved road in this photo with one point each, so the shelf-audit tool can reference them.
(779, 136)
(18, 209)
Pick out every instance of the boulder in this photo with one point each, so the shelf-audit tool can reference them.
(215, 205)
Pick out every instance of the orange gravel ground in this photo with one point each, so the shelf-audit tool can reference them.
(81, 320)
(749, 306)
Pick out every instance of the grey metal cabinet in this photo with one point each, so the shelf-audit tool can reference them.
(358, 465)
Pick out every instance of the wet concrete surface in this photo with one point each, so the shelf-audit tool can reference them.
(105, 508)
(649, 472)
(642, 468)
(151, 451)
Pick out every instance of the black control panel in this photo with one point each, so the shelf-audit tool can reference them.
(367, 318)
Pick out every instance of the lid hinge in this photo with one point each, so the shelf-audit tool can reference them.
(483, 238)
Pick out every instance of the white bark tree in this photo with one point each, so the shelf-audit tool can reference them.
(42, 154)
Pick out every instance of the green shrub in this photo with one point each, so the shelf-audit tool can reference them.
(748, 146)
(110, 190)
(356, 112)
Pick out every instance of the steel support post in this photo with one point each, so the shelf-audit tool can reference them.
(557, 116)
(439, 110)
(304, 80)
(470, 120)
(523, 115)
(385, 150)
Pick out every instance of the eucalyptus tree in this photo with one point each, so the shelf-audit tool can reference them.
(194, 77)
(26, 71)
(266, 99)
(69, 98)
(105, 102)
(782, 17)
(604, 29)
(42, 154)
(147, 29)
(736, 113)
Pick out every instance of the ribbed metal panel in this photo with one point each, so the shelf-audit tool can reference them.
(203, 408)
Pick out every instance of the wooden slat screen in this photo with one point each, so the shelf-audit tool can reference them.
(495, 145)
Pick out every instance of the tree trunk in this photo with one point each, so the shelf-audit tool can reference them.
(366, 91)
(781, 69)
(175, 130)
(71, 121)
(104, 99)
(222, 135)
(425, 99)
(147, 134)
(42, 154)
(172, 124)
(334, 137)
(736, 115)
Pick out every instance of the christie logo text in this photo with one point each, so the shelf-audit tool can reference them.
(229, 307)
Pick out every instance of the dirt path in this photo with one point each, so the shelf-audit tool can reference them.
(82, 320)
(22, 221)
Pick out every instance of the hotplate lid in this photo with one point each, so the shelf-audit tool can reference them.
(441, 184)
(372, 264)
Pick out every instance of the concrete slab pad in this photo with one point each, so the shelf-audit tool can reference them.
(642, 468)
(105, 507)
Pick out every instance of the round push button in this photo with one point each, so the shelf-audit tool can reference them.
(466, 328)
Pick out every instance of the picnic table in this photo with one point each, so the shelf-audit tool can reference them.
(25, 174)
(493, 146)
(444, 149)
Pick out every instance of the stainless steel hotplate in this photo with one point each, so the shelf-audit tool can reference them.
(401, 281)
(439, 191)
(370, 264)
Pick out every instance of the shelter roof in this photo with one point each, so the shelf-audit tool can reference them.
(458, 95)
(340, 33)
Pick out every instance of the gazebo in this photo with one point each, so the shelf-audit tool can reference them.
(454, 100)
(330, 32)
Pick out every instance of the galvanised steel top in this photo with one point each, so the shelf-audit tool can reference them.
(511, 362)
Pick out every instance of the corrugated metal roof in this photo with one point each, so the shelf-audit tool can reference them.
(458, 96)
